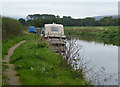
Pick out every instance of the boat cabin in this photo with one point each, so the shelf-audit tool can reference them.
(54, 31)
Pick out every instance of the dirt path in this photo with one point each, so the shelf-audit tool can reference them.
(10, 72)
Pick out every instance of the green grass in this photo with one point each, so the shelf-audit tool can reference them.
(91, 27)
(4, 78)
(38, 65)
(6, 44)
(103, 34)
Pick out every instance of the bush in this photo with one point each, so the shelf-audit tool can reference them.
(10, 27)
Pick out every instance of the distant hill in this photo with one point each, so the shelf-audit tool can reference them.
(100, 17)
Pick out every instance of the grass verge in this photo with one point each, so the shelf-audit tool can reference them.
(6, 44)
(36, 64)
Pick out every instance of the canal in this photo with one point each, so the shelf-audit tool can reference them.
(102, 59)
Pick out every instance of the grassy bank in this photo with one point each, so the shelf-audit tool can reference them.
(36, 64)
(6, 44)
(104, 34)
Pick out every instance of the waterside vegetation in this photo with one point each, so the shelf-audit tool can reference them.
(103, 34)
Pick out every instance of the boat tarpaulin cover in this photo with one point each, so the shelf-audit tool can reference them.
(31, 29)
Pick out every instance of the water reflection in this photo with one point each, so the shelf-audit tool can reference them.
(101, 55)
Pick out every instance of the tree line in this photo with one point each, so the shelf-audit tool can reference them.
(39, 20)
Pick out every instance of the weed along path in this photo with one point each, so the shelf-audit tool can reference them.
(10, 72)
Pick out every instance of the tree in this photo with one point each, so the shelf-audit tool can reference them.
(114, 22)
(22, 21)
(40, 16)
(66, 21)
(106, 21)
(69, 21)
(89, 21)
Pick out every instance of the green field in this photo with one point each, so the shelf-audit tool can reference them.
(92, 27)
(103, 34)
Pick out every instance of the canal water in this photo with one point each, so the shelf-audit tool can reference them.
(99, 55)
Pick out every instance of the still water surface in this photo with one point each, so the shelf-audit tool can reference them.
(101, 55)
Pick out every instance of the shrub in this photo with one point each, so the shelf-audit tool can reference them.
(10, 27)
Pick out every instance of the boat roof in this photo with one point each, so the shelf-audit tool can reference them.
(53, 25)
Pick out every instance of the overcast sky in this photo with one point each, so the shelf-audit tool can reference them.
(73, 8)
